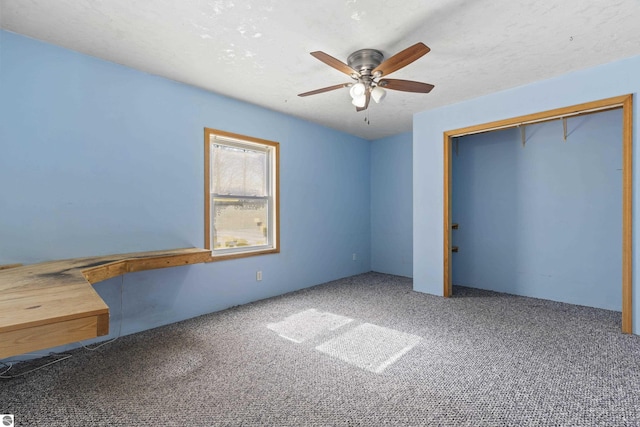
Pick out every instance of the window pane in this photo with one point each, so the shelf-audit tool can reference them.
(239, 222)
(238, 171)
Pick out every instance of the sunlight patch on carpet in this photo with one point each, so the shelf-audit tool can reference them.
(308, 324)
(370, 347)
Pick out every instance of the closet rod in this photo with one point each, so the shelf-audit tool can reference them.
(546, 119)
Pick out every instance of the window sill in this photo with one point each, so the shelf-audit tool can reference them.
(237, 255)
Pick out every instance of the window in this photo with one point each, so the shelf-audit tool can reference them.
(241, 195)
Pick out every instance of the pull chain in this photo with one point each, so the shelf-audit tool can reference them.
(366, 117)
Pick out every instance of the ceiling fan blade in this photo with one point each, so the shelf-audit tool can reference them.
(405, 85)
(335, 63)
(324, 89)
(402, 59)
(367, 95)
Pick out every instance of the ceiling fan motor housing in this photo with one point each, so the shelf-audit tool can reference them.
(365, 60)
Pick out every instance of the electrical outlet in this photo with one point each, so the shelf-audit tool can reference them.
(355, 256)
(258, 275)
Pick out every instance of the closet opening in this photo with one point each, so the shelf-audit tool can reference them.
(519, 126)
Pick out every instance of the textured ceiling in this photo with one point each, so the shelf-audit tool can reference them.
(258, 50)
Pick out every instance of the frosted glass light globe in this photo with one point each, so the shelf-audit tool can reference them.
(357, 90)
(359, 101)
(378, 94)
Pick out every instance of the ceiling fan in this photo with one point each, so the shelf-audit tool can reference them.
(366, 67)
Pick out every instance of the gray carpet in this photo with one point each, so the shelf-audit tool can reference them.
(362, 351)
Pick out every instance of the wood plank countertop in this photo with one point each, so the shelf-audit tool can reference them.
(53, 303)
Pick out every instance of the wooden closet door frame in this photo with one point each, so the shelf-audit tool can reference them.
(624, 102)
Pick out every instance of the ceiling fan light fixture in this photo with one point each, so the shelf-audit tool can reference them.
(367, 67)
(357, 90)
(359, 101)
(378, 94)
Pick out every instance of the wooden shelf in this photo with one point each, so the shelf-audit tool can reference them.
(8, 266)
(53, 303)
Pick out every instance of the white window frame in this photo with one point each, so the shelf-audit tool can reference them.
(216, 137)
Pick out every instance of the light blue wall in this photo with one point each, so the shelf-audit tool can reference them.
(613, 79)
(543, 221)
(97, 158)
(391, 205)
